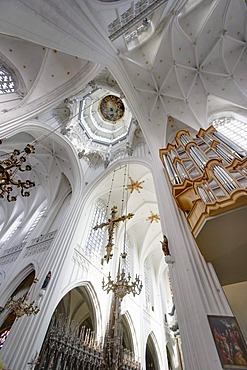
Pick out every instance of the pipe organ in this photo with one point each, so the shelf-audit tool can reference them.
(208, 174)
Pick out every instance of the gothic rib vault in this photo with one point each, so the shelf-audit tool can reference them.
(191, 67)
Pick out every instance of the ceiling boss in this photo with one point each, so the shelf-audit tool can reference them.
(153, 217)
(134, 185)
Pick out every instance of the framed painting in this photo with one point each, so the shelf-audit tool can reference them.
(229, 342)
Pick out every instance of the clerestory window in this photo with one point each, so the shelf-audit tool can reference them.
(7, 84)
(147, 282)
(96, 237)
(233, 129)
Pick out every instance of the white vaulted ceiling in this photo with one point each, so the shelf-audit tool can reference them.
(40, 69)
(195, 66)
(192, 65)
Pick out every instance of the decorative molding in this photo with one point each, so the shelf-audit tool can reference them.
(11, 254)
(9, 259)
(40, 244)
(132, 16)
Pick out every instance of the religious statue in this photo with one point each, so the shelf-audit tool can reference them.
(46, 281)
(165, 247)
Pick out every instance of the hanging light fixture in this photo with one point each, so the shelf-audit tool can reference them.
(20, 306)
(12, 163)
(114, 353)
(123, 283)
(9, 166)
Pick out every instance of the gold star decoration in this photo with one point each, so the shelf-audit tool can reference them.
(153, 217)
(134, 185)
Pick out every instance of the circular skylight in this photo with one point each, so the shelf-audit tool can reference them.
(104, 117)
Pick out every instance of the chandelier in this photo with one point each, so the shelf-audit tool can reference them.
(21, 307)
(9, 168)
(122, 285)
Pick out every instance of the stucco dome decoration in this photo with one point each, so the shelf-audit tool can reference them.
(104, 123)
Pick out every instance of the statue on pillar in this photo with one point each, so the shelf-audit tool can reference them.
(46, 281)
(165, 247)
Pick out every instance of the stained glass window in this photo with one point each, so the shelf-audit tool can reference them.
(3, 337)
(96, 237)
(7, 84)
(232, 128)
(12, 231)
(128, 250)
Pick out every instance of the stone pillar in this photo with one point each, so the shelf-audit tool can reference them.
(27, 334)
(196, 293)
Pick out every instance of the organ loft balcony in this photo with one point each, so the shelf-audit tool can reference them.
(208, 176)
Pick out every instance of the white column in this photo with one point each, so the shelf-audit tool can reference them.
(194, 287)
(27, 334)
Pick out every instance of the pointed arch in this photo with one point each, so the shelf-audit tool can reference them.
(170, 356)
(15, 282)
(7, 316)
(152, 355)
(129, 334)
(88, 294)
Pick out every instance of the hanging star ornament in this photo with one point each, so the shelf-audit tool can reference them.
(134, 185)
(153, 217)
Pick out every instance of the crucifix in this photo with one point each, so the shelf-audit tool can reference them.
(111, 224)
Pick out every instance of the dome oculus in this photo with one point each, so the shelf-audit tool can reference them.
(111, 108)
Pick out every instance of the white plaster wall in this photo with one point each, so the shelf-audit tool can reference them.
(237, 298)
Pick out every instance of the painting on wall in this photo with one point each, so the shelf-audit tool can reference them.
(229, 342)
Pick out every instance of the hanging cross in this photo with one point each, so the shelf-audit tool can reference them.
(111, 224)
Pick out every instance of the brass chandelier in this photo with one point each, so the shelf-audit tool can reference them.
(8, 170)
(20, 306)
(122, 285)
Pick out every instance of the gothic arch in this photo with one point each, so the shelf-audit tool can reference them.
(170, 356)
(7, 316)
(15, 282)
(152, 357)
(91, 314)
(129, 333)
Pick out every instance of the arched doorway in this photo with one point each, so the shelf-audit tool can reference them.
(71, 337)
(169, 359)
(151, 357)
(76, 307)
(127, 335)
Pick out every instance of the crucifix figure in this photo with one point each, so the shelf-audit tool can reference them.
(111, 224)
